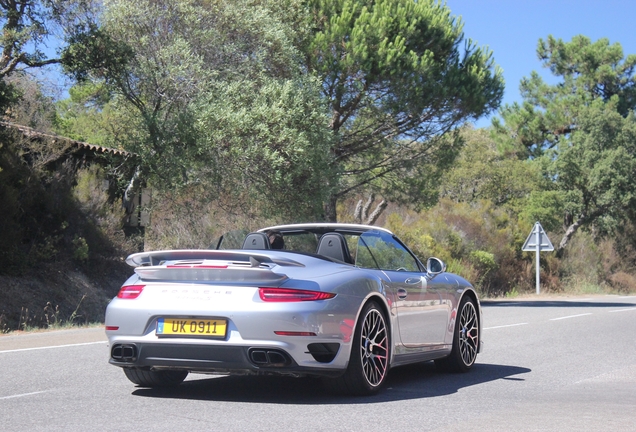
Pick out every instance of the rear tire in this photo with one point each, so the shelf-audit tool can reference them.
(465, 339)
(369, 361)
(148, 378)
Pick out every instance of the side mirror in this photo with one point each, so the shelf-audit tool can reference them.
(435, 266)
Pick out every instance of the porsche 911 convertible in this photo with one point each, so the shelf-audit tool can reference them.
(341, 301)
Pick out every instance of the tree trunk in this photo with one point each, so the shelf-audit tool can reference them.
(377, 212)
(330, 209)
(361, 213)
(568, 235)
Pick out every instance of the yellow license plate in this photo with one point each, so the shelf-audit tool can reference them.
(191, 327)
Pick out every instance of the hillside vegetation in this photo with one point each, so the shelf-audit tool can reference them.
(239, 114)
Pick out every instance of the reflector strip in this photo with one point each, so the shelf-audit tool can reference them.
(288, 333)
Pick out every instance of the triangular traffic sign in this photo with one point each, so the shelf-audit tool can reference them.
(531, 242)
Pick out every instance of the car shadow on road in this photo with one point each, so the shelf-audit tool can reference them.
(408, 382)
(554, 303)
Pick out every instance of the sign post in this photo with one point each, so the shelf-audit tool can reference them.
(537, 241)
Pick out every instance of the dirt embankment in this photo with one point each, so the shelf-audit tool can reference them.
(54, 295)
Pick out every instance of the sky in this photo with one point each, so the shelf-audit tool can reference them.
(512, 28)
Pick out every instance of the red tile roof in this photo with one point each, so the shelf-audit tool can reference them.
(29, 132)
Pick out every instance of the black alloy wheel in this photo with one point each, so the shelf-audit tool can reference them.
(465, 339)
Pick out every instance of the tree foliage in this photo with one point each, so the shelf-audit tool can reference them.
(580, 131)
(397, 75)
(30, 27)
(482, 172)
(216, 96)
(392, 78)
(31, 106)
(589, 71)
(595, 171)
(89, 114)
(268, 144)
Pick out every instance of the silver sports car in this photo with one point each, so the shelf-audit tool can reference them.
(341, 301)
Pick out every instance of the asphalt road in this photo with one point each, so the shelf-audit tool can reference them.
(556, 364)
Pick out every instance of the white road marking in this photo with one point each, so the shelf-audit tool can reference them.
(623, 310)
(502, 304)
(502, 326)
(21, 395)
(570, 316)
(624, 375)
(54, 346)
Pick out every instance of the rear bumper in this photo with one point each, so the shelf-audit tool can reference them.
(222, 359)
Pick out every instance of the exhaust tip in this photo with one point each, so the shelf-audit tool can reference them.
(269, 357)
(124, 353)
(276, 358)
(259, 357)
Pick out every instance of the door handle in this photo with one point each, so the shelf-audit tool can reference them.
(413, 280)
(402, 293)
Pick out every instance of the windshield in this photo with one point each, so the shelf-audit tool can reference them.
(230, 240)
(372, 249)
(380, 250)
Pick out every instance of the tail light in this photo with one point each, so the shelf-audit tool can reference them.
(292, 295)
(130, 291)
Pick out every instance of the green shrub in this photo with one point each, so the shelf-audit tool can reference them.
(80, 252)
(478, 241)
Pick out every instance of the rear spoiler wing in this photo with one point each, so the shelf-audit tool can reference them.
(254, 259)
